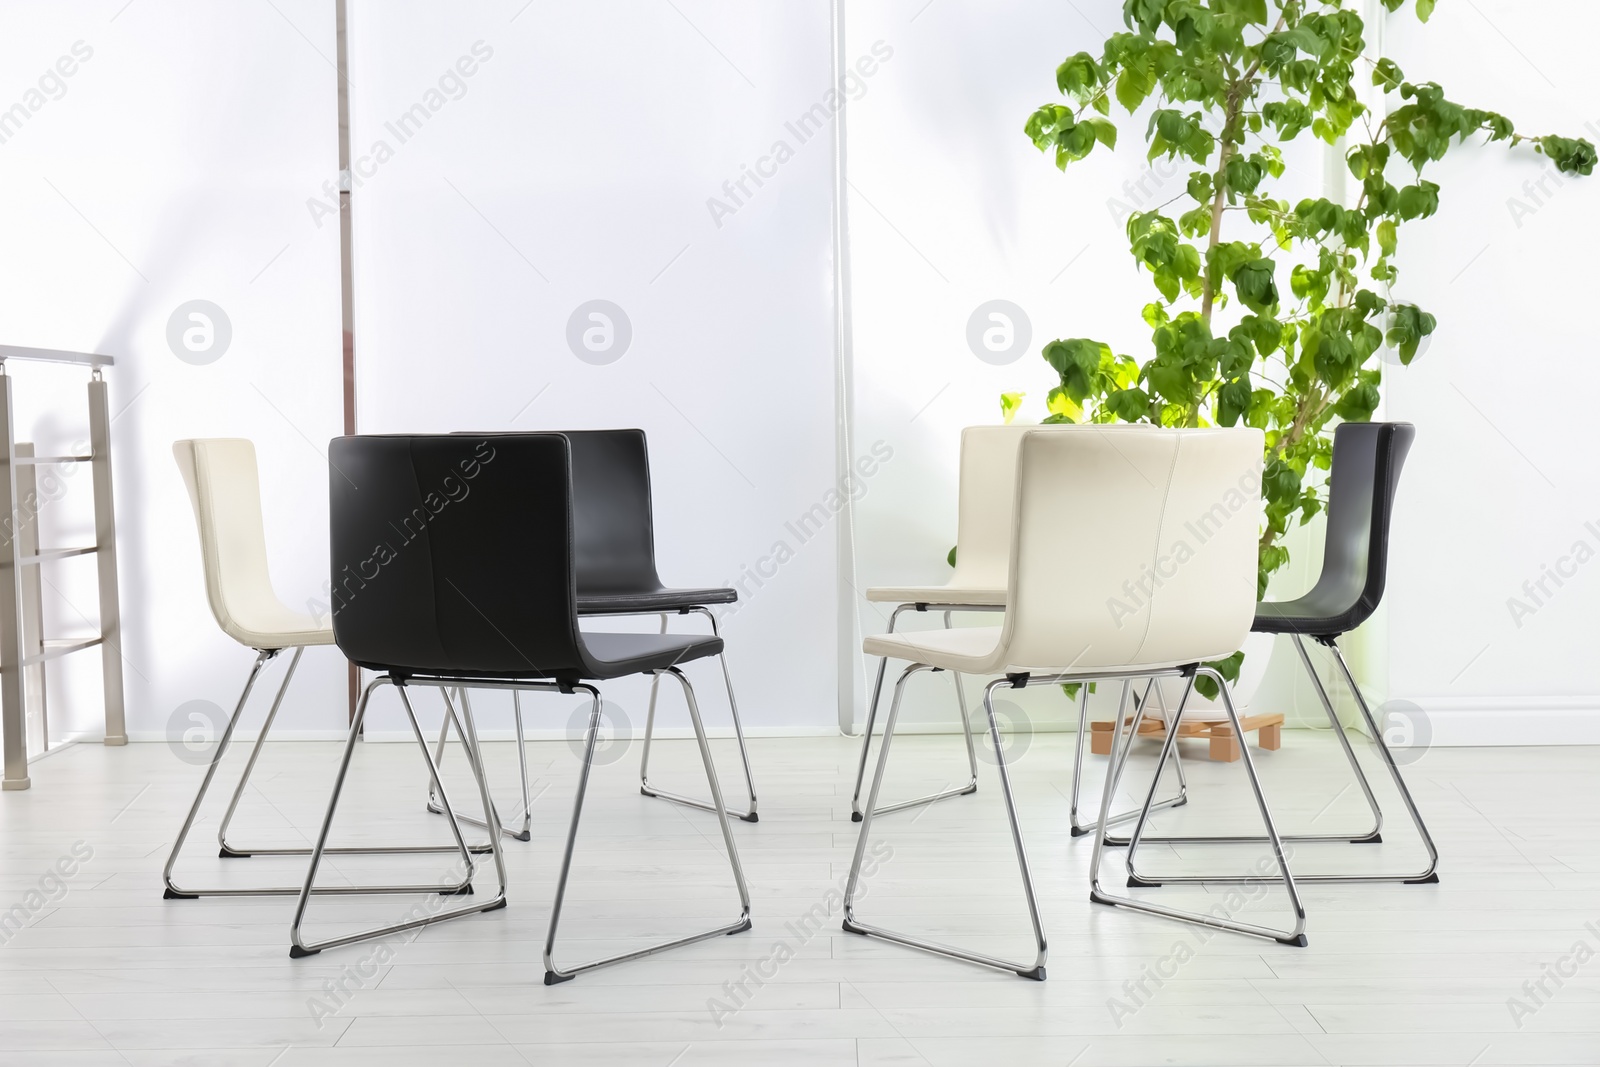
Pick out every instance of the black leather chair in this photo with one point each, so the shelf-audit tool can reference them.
(1367, 460)
(615, 554)
(455, 565)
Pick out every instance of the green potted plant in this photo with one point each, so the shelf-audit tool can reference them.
(1266, 313)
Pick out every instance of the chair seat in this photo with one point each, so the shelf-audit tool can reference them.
(1312, 615)
(964, 648)
(646, 601)
(619, 655)
(936, 594)
(275, 626)
(971, 650)
(608, 655)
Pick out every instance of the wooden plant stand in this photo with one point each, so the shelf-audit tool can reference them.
(1224, 745)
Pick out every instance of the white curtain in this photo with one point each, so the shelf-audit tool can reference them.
(577, 215)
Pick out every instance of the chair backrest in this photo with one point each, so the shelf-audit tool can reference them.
(225, 491)
(987, 492)
(612, 527)
(612, 523)
(1132, 545)
(452, 554)
(1367, 461)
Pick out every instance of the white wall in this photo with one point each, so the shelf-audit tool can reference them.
(1502, 481)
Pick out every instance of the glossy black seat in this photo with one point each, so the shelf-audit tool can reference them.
(1367, 460)
(614, 530)
(455, 566)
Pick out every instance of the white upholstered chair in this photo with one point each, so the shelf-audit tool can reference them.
(985, 491)
(1093, 509)
(986, 480)
(225, 491)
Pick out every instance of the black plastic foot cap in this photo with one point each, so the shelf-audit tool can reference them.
(227, 853)
(1375, 839)
(855, 816)
(1096, 898)
(752, 817)
(298, 953)
(552, 978)
(172, 894)
(525, 835)
(1297, 942)
(1081, 831)
(851, 928)
(496, 906)
(741, 928)
(1432, 879)
(1135, 882)
(464, 891)
(1037, 974)
(1116, 842)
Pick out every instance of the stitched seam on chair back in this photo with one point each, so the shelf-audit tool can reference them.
(1155, 550)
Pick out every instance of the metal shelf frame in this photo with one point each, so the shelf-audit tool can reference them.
(23, 647)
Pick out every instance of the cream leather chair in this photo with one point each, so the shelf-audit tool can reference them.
(985, 498)
(984, 489)
(224, 489)
(1093, 509)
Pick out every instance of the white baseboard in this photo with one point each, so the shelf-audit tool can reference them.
(1455, 722)
(1458, 722)
(500, 734)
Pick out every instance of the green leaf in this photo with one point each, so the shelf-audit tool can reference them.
(1009, 403)
(1408, 325)
(1129, 405)
(1206, 686)
(1105, 131)
(1388, 237)
(1280, 481)
(1078, 77)
(1569, 156)
(951, 558)
(1387, 74)
(1256, 285)
(1196, 223)
(1243, 175)
(1233, 401)
(1425, 9)
(1076, 361)
(1358, 404)
(1172, 125)
(1132, 88)
(1064, 406)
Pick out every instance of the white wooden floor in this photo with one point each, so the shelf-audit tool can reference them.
(106, 972)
